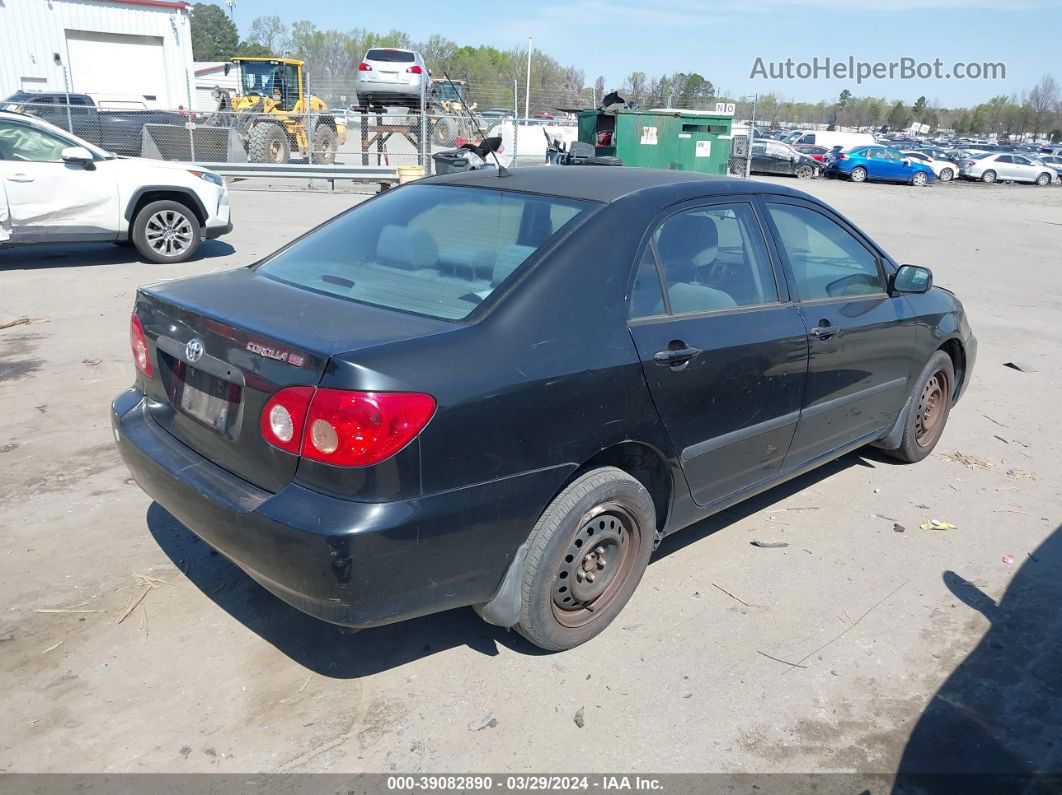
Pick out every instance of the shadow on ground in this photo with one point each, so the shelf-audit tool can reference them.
(999, 713)
(333, 651)
(76, 255)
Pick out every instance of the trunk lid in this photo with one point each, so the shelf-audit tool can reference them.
(224, 343)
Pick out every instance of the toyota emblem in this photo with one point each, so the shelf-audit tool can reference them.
(193, 351)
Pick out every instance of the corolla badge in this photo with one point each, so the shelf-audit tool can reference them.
(193, 351)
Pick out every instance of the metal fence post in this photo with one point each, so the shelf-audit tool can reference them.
(752, 126)
(424, 160)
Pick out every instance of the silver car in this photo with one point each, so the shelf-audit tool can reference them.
(1007, 167)
(389, 76)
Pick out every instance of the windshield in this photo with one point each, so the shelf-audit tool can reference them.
(257, 77)
(435, 250)
(445, 90)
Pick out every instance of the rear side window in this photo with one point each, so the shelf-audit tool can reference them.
(391, 56)
(827, 260)
(434, 250)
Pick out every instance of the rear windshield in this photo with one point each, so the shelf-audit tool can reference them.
(393, 56)
(435, 250)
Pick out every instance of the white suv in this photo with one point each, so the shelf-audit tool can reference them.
(57, 188)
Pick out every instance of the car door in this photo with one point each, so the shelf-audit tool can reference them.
(877, 165)
(860, 338)
(5, 215)
(1023, 169)
(48, 199)
(723, 350)
(1003, 165)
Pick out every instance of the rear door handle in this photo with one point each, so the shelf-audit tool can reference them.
(825, 332)
(20, 178)
(675, 357)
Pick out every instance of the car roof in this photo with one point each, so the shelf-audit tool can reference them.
(606, 183)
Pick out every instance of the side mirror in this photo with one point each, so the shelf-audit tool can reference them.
(912, 279)
(78, 154)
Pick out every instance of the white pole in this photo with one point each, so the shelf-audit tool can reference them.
(527, 87)
(516, 127)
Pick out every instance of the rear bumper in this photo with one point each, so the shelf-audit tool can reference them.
(350, 563)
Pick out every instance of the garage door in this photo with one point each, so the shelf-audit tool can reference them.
(116, 63)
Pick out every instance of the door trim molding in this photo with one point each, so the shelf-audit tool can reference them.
(836, 403)
(740, 435)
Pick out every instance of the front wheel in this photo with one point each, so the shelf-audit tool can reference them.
(988, 177)
(859, 174)
(805, 172)
(325, 143)
(1043, 179)
(165, 232)
(927, 410)
(585, 557)
(919, 179)
(946, 175)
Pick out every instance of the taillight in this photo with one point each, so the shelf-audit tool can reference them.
(970, 163)
(416, 70)
(839, 156)
(138, 342)
(364, 67)
(344, 427)
(284, 417)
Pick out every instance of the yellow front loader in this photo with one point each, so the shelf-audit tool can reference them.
(271, 112)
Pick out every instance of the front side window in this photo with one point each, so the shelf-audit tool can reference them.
(435, 250)
(827, 260)
(28, 144)
(714, 258)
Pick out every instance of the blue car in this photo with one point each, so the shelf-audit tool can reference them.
(862, 163)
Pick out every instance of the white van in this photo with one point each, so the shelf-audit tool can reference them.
(831, 139)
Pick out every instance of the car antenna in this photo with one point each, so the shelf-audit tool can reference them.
(502, 170)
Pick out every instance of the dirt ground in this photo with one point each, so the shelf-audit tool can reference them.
(904, 648)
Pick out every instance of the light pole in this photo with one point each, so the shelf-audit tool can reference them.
(527, 86)
(66, 86)
(752, 127)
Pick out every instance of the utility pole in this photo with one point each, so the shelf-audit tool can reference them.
(516, 115)
(527, 86)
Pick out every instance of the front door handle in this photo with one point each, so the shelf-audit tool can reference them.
(20, 178)
(675, 357)
(825, 332)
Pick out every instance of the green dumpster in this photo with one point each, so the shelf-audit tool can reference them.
(680, 140)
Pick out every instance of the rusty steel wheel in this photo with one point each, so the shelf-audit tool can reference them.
(585, 556)
(932, 409)
(597, 563)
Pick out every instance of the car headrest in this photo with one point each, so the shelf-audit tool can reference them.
(687, 241)
(407, 248)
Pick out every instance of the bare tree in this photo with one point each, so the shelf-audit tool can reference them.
(1042, 100)
(269, 32)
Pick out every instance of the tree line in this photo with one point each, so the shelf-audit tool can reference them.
(495, 79)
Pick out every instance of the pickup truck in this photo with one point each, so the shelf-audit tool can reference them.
(119, 131)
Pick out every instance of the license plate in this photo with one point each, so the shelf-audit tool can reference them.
(207, 398)
(389, 75)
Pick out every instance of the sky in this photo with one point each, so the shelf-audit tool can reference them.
(722, 41)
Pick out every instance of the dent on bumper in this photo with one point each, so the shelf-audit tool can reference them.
(350, 563)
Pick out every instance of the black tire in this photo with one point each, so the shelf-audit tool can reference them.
(268, 143)
(325, 143)
(154, 221)
(804, 172)
(1044, 179)
(988, 177)
(917, 440)
(859, 174)
(617, 507)
(444, 133)
(946, 175)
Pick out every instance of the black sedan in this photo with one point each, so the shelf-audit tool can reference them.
(775, 157)
(503, 391)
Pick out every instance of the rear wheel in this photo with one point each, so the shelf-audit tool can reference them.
(988, 177)
(166, 231)
(585, 557)
(859, 174)
(946, 175)
(927, 410)
(268, 143)
(445, 133)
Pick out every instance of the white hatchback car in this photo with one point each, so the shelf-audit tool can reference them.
(57, 188)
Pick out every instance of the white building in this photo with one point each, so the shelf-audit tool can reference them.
(210, 75)
(138, 47)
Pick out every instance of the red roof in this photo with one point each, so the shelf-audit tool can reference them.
(156, 3)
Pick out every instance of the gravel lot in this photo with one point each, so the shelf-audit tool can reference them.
(917, 634)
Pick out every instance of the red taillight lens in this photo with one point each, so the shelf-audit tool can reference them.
(364, 67)
(138, 342)
(416, 70)
(284, 416)
(842, 157)
(344, 427)
(970, 163)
